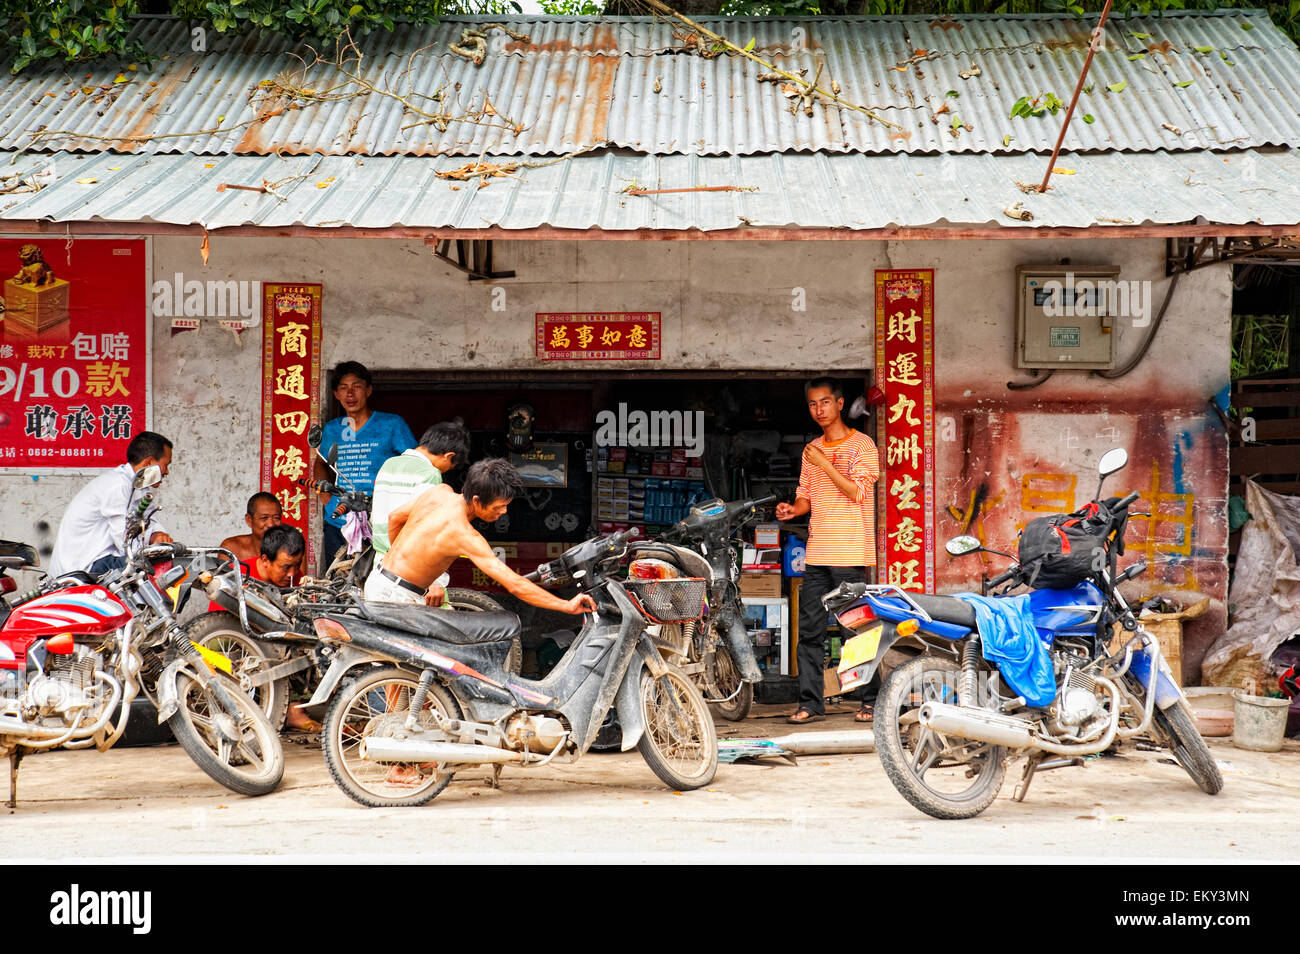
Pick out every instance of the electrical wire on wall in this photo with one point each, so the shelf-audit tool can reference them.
(1146, 345)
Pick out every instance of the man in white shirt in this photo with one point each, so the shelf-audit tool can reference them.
(92, 534)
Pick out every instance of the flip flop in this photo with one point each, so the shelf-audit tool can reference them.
(865, 714)
(808, 716)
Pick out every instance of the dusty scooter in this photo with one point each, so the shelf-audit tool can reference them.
(715, 652)
(414, 693)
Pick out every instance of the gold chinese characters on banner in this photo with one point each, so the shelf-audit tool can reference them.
(291, 330)
(905, 372)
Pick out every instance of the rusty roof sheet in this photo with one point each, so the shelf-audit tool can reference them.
(831, 191)
(1221, 80)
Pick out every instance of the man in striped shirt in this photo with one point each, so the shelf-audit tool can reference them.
(443, 447)
(837, 488)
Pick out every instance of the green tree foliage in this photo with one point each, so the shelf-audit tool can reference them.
(67, 30)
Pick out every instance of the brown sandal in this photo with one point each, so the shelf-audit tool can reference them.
(865, 714)
(804, 715)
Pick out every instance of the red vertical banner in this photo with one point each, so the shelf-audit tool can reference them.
(291, 331)
(74, 351)
(905, 372)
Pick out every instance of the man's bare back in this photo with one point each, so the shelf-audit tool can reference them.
(428, 533)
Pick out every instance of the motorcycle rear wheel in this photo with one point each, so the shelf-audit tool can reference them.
(252, 765)
(221, 632)
(725, 682)
(1176, 725)
(376, 703)
(922, 764)
(471, 601)
(679, 743)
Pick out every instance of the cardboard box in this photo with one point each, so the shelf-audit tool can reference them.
(759, 585)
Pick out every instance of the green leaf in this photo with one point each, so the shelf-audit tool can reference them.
(1089, 88)
(1139, 36)
(1006, 141)
(750, 45)
(1117, 87)
(1137, 56)
(354, 9)
(954, 94)
(1185, 83)
(1089, 118)
(1203, 49)
(1248, 26)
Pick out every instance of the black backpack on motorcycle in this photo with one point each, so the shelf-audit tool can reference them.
(1061, 551)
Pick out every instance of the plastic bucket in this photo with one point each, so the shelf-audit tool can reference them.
(1259, 723)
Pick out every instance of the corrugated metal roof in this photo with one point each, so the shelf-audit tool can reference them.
(588, 192)
(579, 83)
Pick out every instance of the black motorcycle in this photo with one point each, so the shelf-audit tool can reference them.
(715, 652)
(414, 693)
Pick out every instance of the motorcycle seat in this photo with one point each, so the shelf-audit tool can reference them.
(946, 609)
(451, 626)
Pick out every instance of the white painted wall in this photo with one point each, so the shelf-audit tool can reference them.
(392, 305)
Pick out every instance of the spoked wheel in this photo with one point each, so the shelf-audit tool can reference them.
(238, 748)
(221, 632)
(679, 743)
(724, 682)
(1176, 725)
(943, 776)
(375, 705)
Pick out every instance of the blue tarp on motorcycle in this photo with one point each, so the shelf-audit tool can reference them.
(1011, 643)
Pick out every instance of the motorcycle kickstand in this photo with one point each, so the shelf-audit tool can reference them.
(15, 757)
(1031, 766)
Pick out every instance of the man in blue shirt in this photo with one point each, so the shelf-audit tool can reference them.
(364, 438)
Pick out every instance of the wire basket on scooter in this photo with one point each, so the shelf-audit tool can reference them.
(670, 601)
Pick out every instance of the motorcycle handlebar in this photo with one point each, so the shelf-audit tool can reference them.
(1003, 577)
(1125, 501)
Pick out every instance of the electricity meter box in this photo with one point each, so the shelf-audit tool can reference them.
(1065, 315)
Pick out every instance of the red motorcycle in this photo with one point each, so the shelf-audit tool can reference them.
(76, 652)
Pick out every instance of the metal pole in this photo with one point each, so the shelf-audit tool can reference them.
(1092, 49)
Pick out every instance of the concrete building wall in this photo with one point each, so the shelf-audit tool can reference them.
(794, 305)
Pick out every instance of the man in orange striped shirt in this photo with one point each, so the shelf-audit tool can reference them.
(837, 487)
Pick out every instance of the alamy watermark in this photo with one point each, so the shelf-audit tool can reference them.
(1095, 298)
(78, 906)
(179, 297)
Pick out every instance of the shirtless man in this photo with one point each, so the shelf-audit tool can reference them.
(429, 532)
(263, 512)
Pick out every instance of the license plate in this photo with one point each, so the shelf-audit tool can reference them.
(860, 649)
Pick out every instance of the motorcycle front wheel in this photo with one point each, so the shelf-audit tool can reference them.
(237, 748)
(221, 632)
(724, 682)
(1176, 725)
(945, 777)
(679, 743)
(375, 704)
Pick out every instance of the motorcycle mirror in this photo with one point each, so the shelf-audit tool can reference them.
(960, 546)
(314, 435)
(333, 457)
(1111, 461)
(150, 476)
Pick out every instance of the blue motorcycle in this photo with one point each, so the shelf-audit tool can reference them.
(1054, 674)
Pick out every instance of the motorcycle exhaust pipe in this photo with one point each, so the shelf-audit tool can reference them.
(416, 750)
(978, 724)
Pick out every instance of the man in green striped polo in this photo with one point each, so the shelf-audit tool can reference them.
(412, 472)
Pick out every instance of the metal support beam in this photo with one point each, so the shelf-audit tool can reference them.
(1187, 254)
(473, 257)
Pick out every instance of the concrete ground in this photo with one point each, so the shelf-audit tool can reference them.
(154, 804)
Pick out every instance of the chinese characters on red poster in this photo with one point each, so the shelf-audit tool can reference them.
(290, 397)
(905, 372)
(598, 336)
(74, 350)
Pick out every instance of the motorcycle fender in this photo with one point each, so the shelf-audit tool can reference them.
(345, 660)
(1167, 691)
(628, 705)
(868, 670)
(742, 651)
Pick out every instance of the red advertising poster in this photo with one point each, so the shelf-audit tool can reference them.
(74, 351)
(598, 336)
(905, 372)
(291, 328)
